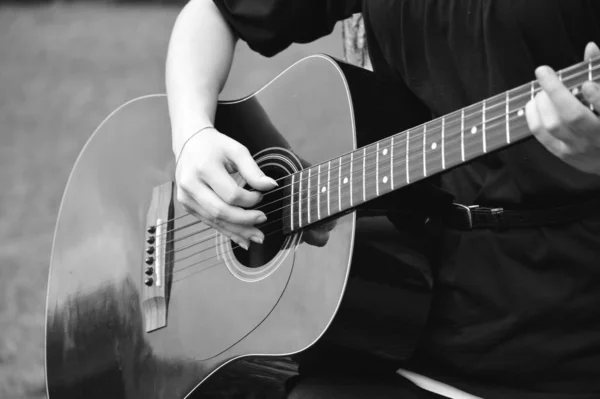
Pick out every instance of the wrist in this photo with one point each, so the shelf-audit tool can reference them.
(182, 134)
(194, 134)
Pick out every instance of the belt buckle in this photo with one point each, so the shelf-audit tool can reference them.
(467, 209)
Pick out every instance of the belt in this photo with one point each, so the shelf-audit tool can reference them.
(469, 217)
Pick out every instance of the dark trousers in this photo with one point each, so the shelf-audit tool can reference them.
(378, 324)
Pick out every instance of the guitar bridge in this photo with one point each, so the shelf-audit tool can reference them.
(157, 258)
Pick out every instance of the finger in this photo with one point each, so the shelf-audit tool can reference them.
(591, 51)
(192, 208)
(536, 127)
(550, 119)
(240, 234)
(226, 188)
(249, 170)
(591, 92)
(315, 237)
(327, 226)
(569, 109)
(216, 210)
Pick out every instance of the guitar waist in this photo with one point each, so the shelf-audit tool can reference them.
(465, 217)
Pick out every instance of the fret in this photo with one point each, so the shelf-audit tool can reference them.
(328, 188)
(532, 89)
(452, 140)
(292, 203)
(433, 147)
(340, 185)
(300, 201)
(399, 170)
(406, 156)
(377, 170)
(385, 159)
(364, 170)
(392, 163)
(462, 134)
(519, 100)
(314, 194)
(346, 179)
(414, 156)
(483, 128)
(319, 192)
(472, 131)
(423, 150)
(590, 78)
(507, 115)
(516, 110)
(308, 197)
(443, 143)
(351, 177)
(356, 166)
(370, 171)
(495, 123)
(335, 188)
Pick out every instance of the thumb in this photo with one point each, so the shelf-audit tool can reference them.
(591, 51)
(591, 93)
(252, 174)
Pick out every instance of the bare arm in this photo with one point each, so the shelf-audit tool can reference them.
(198, 63)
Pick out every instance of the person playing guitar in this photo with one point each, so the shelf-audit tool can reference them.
(515, 298)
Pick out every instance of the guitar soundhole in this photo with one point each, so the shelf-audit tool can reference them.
(272, 205)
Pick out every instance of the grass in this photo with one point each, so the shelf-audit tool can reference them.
(62, 70)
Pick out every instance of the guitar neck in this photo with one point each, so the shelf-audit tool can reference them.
(345, 182)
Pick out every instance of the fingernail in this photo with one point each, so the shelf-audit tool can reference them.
(271, 181)
(261, 219)
(243, 245)
(257, 239)
(546, 71)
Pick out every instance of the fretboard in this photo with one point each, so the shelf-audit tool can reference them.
(343, 183)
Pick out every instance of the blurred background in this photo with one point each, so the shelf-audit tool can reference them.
(64, 66)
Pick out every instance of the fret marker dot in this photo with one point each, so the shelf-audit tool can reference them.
(345, 180)
(385, 179)
(433, 146)
(385, 151)
(521, 112)
(474, 130)
(324, 189)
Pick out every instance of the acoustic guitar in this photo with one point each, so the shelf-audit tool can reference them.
(144, 301)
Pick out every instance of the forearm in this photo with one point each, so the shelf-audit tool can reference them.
(198, 63)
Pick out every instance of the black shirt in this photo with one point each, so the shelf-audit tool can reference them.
(516, 313)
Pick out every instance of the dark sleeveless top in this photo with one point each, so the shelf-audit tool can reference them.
(516, 314)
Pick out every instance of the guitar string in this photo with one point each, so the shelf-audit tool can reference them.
(385, 168)
(478, 105)
(235, 246)
(447, 124)
(204, 261)
(451, 138)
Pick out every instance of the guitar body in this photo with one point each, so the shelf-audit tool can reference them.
(221, 304)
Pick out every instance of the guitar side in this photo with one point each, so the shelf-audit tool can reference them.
(96, 339)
